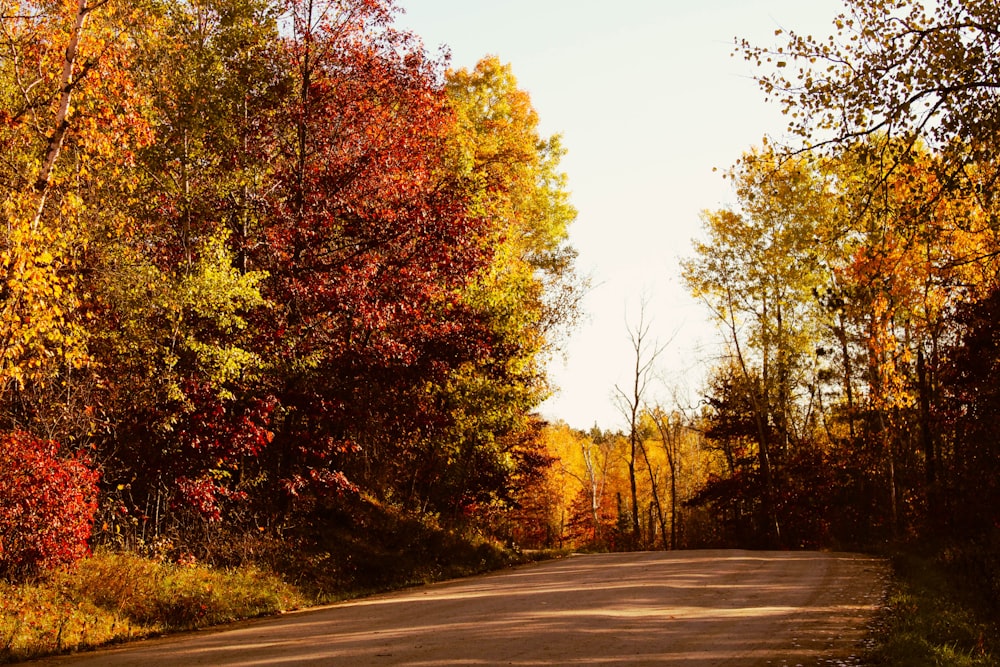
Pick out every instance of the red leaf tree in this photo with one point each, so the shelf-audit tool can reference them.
(368, 245)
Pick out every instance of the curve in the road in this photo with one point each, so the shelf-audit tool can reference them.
(694, 609)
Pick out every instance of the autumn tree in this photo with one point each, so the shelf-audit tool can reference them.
(367, 250)
(924, 250)
(670, 427)
(416, 243)
(526, 295)
(170, 289)
(875, 296)
(587, 475)
(757, 272)
(896, 112)
(904, 70)
(65, 104)
(972, 394)
(258, 255)
(530, 512)
(733, 492)
(69, 127)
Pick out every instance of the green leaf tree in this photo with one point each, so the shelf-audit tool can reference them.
(757, 272)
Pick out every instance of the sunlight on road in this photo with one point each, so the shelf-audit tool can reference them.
(683, 608)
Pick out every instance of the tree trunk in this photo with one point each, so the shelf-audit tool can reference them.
(848, 385)
(656, 499)
(67, 84)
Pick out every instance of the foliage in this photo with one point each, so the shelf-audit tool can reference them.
(974, 402)
(520, 299)
(844, 342)
(47, 504)
(361, 546)
(758, 273)
(260, 256)
(903, 70)
(181, 347)
(513, 179)
(587, 485)
(61, 90)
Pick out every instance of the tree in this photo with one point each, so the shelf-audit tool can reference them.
(62, 85)
(670, 428)
(506, 177)
(525, 296)
(512, 175)
(259, 254)
(370, 250)
(896, 252)
(179, 340)
(761, 265)
(631, 405)
(974, 401)
(531, 504)
(909, 258)
(67, 131)
(897, 70)
(586, 474)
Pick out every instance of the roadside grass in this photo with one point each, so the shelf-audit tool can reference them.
(114, 597)
(942, 610)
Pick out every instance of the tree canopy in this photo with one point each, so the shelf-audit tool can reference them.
(259, 256)
(851, 278)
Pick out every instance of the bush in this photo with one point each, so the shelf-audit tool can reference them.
(47, 505)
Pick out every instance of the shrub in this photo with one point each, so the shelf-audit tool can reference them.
(47, 505)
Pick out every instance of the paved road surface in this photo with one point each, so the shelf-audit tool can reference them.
(692, 609)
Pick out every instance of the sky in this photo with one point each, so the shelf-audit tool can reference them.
(653, 108)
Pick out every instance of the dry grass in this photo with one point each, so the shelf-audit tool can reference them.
(112, 598)
(355, 550)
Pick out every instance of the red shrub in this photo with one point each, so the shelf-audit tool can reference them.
(47, 505)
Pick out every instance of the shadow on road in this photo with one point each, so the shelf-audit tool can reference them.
(676, 608)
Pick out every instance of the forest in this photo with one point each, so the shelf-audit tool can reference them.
(854, 285)
(272, 273)
(262, 260)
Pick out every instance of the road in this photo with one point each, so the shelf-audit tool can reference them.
(689, 608)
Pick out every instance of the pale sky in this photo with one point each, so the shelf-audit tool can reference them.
(649, 101)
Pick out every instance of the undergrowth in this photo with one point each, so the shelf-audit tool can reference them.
(368, 548)
(942, 610)
(113, 597)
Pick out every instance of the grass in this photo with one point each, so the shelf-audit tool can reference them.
(942, 610)
(116, 597)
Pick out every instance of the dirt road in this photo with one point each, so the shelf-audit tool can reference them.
(694, 609)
